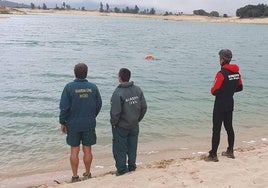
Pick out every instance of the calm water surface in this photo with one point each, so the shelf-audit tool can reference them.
(38, 53)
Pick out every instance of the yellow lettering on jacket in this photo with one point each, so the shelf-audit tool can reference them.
(83, 93)
(87, 90)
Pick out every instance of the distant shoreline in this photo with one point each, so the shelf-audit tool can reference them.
(183, 17)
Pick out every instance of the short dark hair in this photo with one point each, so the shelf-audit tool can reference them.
(226, 55)
(80, 70)
(124, 74)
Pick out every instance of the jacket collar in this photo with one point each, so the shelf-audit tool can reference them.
(126, 84)
(80, 80)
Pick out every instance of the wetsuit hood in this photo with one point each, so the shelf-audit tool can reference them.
(231, 67)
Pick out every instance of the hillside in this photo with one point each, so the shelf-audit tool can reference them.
(13, 4)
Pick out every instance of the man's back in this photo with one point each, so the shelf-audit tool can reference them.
(132, 103)
(80, 104)
(230, 84)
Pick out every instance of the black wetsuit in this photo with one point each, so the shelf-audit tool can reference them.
(227, 82)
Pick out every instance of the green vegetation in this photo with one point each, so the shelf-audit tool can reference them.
(201, 12)
(44, 6)
(101, 7)
(131, 11)
(147, 11)
(64, 6)
(32, 6)
(135, 10)
(214, 14)
(252, 11)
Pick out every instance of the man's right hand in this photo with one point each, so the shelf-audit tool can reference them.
(64, 129)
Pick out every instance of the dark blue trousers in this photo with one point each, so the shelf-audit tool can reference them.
(125, 142)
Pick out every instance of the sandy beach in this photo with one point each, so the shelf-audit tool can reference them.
(249, 169)
(183, 17)
(169, 167)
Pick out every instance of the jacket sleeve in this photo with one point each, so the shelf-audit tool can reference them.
(116, 109)
(98, 102)
(64, 106)
(215, 89)
(143, 107)
(240, 85)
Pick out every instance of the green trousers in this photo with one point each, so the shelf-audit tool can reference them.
(125, 143)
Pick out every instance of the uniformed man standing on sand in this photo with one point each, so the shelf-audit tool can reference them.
(128, 107)
(79, 106)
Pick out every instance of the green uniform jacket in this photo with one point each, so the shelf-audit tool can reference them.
(128, 106)
(79, 105)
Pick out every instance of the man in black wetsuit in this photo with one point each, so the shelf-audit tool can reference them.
(227, 82)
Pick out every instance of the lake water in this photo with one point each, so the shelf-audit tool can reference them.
(38, 53)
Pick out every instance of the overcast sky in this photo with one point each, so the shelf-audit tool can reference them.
(187, 6)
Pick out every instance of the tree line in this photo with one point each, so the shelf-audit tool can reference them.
(248, 11)
(63, 6)
(129, 10)
(251, 11)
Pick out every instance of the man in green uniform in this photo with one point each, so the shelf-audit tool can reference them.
(128, 107)
(79, 106)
